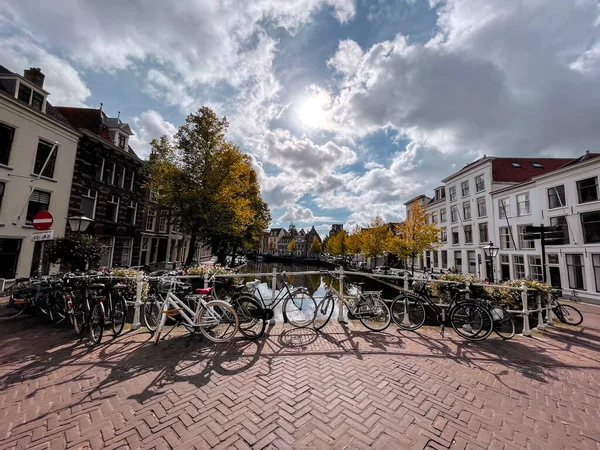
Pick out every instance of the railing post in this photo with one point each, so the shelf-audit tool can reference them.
(273, 289)
(139, 286)
(2, 282)
(341, 299)
(526, 329)
(549, 313)
(540, 325)
(468, 286)
(406, 281)
(206, 278)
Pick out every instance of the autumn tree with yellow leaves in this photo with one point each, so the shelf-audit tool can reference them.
(375, 239)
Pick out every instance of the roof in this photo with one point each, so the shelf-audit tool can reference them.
(412, 200)
(84, 118)
(504, 170)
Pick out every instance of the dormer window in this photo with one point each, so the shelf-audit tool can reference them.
(30, 96)
(24, 93)
(516, 165)
(121, 141)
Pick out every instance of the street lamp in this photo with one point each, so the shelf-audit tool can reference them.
(79, 224)
(491, 251)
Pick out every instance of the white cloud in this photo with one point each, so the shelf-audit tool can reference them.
(297, 213)
(147, 126)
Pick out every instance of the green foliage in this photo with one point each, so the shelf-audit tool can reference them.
(375, 239)
(315, 246)
(336, 244)
(130, 280)
(215, 269)
(75, 250)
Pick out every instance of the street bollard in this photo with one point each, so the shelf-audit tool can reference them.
(406, 281)
(341, 299)
(526, 329)
(540, 325)
(139, 286)
(273, 289)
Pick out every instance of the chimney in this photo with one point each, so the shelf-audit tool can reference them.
(35, 75)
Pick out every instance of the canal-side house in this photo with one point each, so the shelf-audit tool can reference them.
(275, 236)
(37, 156)
(107, 184)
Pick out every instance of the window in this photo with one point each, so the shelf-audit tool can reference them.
(129, 176)
(2, 186)
(552, 258)
(88, 203)
(483, 233)
(458, 261)
(590, 222)
(24, 93)
(162, 224)
(6, 139)
(468, 234)
(535, 268)
(100, 172)
(108, 246)
(523, 208)
(524, 244)
(126, 245)
(153, 195)
(562, 221)
(45, 153)
(519, 266)
(455, 237)
(121, 141)
(119, 176)
(481, 207)
(464, 187)
(596, 266)
(479, 183)
(467, 210)
(472, 261)
(132, 180)
(505, 238)
(37, 101)
(434, 218)
(38, 201)
(150, 218)
(131, 212)
(453, 194)
(504, 208)
(575, 271)
(109, 172)
(556, 197)
(588, 190)
(516, 165)
(442, 215)
(443, 235)
(454, 213)
(435, 259)
(537, 165)
(444, 259)
(112, 208)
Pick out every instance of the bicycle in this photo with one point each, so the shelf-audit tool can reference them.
(469, 319)
(565, 313)
(299, 307)
(504, 323)
(194, 312)
(367, 306)
(88, 312)
(574, 297)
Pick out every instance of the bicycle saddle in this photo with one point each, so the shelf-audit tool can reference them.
(359, 283)
(96, 286)
(238, 287)
(119, 286)
(202, 291)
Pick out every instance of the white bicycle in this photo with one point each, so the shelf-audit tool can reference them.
(215, 319)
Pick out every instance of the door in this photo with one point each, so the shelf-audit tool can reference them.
(505, 272)
(9, 255)
(555, 277)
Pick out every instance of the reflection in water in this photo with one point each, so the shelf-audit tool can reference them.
(315, 283)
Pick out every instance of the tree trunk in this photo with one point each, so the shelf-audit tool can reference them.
(412, 265)
(221, 254)
(192, 251)
(233, 253)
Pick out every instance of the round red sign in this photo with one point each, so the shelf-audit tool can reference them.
(43, 220)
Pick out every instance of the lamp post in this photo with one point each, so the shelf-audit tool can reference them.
(491, 251)
(79, 224)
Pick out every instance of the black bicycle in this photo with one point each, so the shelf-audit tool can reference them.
(565, 313)
(88, 310)
(469, 319)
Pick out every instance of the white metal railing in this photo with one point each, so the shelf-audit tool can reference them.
(340, 272)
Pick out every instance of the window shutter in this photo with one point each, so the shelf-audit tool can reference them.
(40, 197)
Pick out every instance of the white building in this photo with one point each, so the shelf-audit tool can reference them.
(29, 129)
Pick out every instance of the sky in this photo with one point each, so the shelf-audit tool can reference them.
(348, 108)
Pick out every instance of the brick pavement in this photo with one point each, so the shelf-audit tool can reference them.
(344, 388)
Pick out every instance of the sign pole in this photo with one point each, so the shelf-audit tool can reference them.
(543, 242)
(40, 265)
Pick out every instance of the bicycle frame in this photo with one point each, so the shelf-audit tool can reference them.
(188, 315)
(279, 297)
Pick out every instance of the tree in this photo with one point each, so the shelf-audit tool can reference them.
(209, 184)
(315, 246)
(336, 244)
(75, 250)
(375, 239)
(292, 246)
(272, 247)
(415, 235)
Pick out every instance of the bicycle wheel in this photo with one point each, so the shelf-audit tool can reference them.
(504, 323)
(218, 321)
(152, 313)
(58, 309)
(375, 317)
(569, 314)
(159, 327)
(119, 314)
(324, 312)
(471, 321)
(96, 324)
(416, 315)
(300, 309)
(11, 307)
(251, 316)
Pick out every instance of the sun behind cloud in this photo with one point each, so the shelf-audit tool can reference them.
(313, 111)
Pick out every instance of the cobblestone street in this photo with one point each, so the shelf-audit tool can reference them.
(342, 388)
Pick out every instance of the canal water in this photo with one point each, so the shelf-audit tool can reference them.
(315, 284)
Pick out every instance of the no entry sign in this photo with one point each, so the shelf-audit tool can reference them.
(43, 220)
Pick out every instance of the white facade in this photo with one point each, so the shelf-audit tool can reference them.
(17, 178)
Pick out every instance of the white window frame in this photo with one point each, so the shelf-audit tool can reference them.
(452, 193)
(509, 238)
(455, 230)
(470, 228)
(101, 177)
(118, 203)
(151, 214)
(467, 207)
(477, 184)
(132, 180)
(163, 226)
(484, 203)
(515, 264)
(133, 205)
(504, 212)
(443, 216)
(94, 197)
(533, 268)
(487, 232)
(130, 247)
(111, 246)
(526, 203)
(462, 188)
(452, 209)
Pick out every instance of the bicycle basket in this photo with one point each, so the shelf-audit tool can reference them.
(497, 313)
(419, 286)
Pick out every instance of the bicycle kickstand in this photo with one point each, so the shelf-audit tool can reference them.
(442, 327)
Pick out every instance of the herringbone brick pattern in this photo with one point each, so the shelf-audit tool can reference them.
(343, 388)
